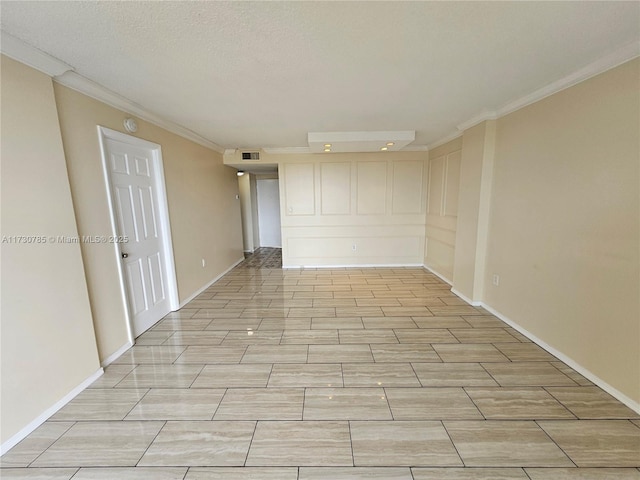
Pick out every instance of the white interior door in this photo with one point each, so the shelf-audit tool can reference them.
(269, 213)
(137, 210)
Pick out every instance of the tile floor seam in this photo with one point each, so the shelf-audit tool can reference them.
(125, 376)
(489, 373)
(51, 445)
(526, 473)
(246, 348)
(136, 404)
(464, 389)
(226, 390)
(167, 339)
(575, 417)
(560, 371)
(386, 395)
(151, 442)
(353, 457)
(246, 457)
(444, 426)
(186, 472)
(553, 440)
(197, 375)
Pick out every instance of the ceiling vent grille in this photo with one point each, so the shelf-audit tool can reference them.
(250, 155)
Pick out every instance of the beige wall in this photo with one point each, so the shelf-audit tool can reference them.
(442, 207)
(474, 202)
(244, 185)
(331, 203)
(48, 341)
(564, 230)
(203, 209)
(253, 188)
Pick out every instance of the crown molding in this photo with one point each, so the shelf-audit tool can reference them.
(617, 57)
(64, 74)
(443, 140)
(303, 150)
(612, 60)
(473, 121)
(94, 90)
(414, 148)
(287, 150)
(24, 53)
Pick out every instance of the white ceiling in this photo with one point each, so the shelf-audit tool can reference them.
(264, 74)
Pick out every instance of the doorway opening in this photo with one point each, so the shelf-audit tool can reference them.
(260, 210)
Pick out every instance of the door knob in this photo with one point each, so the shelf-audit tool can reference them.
(125, 255)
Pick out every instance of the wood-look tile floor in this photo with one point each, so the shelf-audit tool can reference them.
(338, 374)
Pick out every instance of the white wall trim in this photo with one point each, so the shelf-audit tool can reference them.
(44, 416)
(465, 298)
(437, 274)
(632, 404)
(414, 148)
(198, 292)
(64, 74)
(94, 90)
(115, 355)
(302, 150)
(476, 119)
(23, 52)
(612, 60)
(354, 265)
(445, 139)
(286, 150)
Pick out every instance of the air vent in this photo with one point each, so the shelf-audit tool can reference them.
(250, 155)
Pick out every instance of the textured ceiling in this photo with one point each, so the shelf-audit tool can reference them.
(263, 74)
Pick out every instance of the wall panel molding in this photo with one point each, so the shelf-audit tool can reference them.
(407, 187)
(335, 188)
(299, 189)
(371, 188)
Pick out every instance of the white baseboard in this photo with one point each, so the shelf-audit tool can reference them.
(22, 434)
(357, 265)
(183, 303)
(439, 275)
(465, 298)
(632, 404)
(115, 355)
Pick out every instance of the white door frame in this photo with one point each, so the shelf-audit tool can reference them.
(163, 213)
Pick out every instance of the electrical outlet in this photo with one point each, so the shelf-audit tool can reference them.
(204, 263)
(354, 247)
(495, 279)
